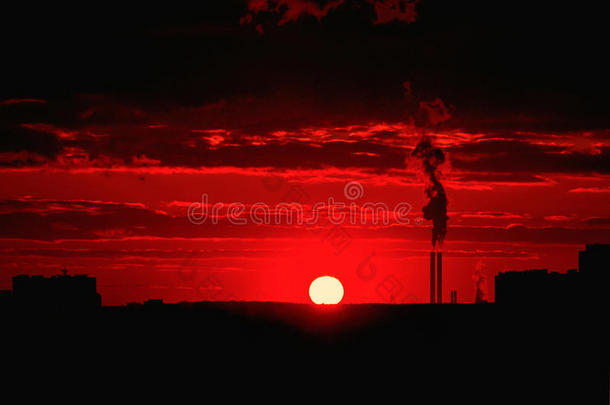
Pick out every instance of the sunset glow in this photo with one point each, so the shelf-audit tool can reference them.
(410, 196)
(239, 151)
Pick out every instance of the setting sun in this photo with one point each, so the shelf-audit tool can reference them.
(326, 290)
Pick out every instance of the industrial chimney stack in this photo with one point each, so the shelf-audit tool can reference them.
(439, 278)
(432, 273)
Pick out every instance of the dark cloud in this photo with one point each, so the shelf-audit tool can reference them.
(395, 10)
(136, 82)
(597, 222)
(93, 252)
(517, 67)
(512, 156)
(108, 134)
(290, 10)
(46, 220)
(16, 139)
(491, 177)
(21, 101)
(491, 214)
(52, 220)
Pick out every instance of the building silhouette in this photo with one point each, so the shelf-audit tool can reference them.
(59, 293)
(588, 284)
(5, 299)
(594, 266)
(538, 286)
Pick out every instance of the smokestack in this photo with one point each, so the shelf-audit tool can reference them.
(436, 208)
(432, 270)
(439, 278)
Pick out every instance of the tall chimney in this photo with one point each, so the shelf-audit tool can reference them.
(432, 270)
(439, 277)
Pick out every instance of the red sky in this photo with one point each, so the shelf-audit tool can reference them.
(99, 164)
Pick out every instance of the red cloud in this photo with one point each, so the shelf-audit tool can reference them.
(22, 101)
(594, 190)
(291, 10)
(399, 10)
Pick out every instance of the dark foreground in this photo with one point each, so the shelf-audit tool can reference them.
(405, 353)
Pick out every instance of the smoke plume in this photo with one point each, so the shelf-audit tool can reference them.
(480, 284)
(436, 208)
